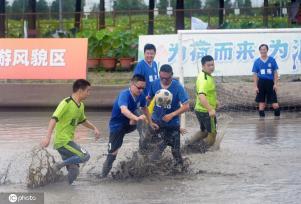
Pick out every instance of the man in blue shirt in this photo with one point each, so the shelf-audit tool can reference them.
(168, 117)
(148, 67)
(123, 119)
(266, 81)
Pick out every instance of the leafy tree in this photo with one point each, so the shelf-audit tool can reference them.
(129, 5)
(42, 6)
(18, 6)
(67, 6)
(188, 4)
(214, 4)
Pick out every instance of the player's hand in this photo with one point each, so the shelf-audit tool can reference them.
(133, 122)
(256, 90)
(148, 98)
(141, 117)
(96, 133)
(45, 142)
(212, 113)
(154, 126)
(168, 117)
(183, 131)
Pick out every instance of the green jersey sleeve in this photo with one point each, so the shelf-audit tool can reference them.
(60, 110)
(200, 85)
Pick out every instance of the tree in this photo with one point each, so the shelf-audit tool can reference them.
(129, 5)
(7, 7)
(42, 6)
(213, 4)
(188, 4)
(192, 4)
(68, 6)
(244, 4)
(18, 7)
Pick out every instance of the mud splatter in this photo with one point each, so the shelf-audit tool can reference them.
(40, 170)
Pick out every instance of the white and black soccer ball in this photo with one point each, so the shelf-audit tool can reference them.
(163, 98)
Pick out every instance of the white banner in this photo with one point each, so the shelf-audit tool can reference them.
(234, 51)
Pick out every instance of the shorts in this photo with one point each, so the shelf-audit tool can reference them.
(116, 138)
(266, 92)
(170, 136)
(72, 149)
(206, 122)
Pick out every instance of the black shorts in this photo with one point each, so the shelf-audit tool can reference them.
(266, 92)
(170, 136)
(116, 138)
(206, 122)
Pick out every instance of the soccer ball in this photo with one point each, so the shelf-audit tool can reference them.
(163, 98)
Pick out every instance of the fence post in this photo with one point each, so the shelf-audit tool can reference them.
(2, 18)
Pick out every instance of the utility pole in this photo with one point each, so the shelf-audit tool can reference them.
(2, 18)
(102, 15)
(151, 7)
(77, 17)
(61, 15)
(32, 18)
(180, 25)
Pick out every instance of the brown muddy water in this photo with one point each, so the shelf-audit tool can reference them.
(259, 161)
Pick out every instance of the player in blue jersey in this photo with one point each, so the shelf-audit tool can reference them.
(266, 81)
(148, 67)
(168, 117)
(123, 119)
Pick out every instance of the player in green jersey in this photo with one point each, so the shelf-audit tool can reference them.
(206, 104)
(67, 116)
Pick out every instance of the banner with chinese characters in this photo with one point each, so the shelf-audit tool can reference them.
(43, 58)
(234, 51)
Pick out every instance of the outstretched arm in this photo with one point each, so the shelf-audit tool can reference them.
(149, 119)
(45, 142)
(127, 113)
(89, 125)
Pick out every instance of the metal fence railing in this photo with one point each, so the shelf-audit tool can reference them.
(138, 20)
